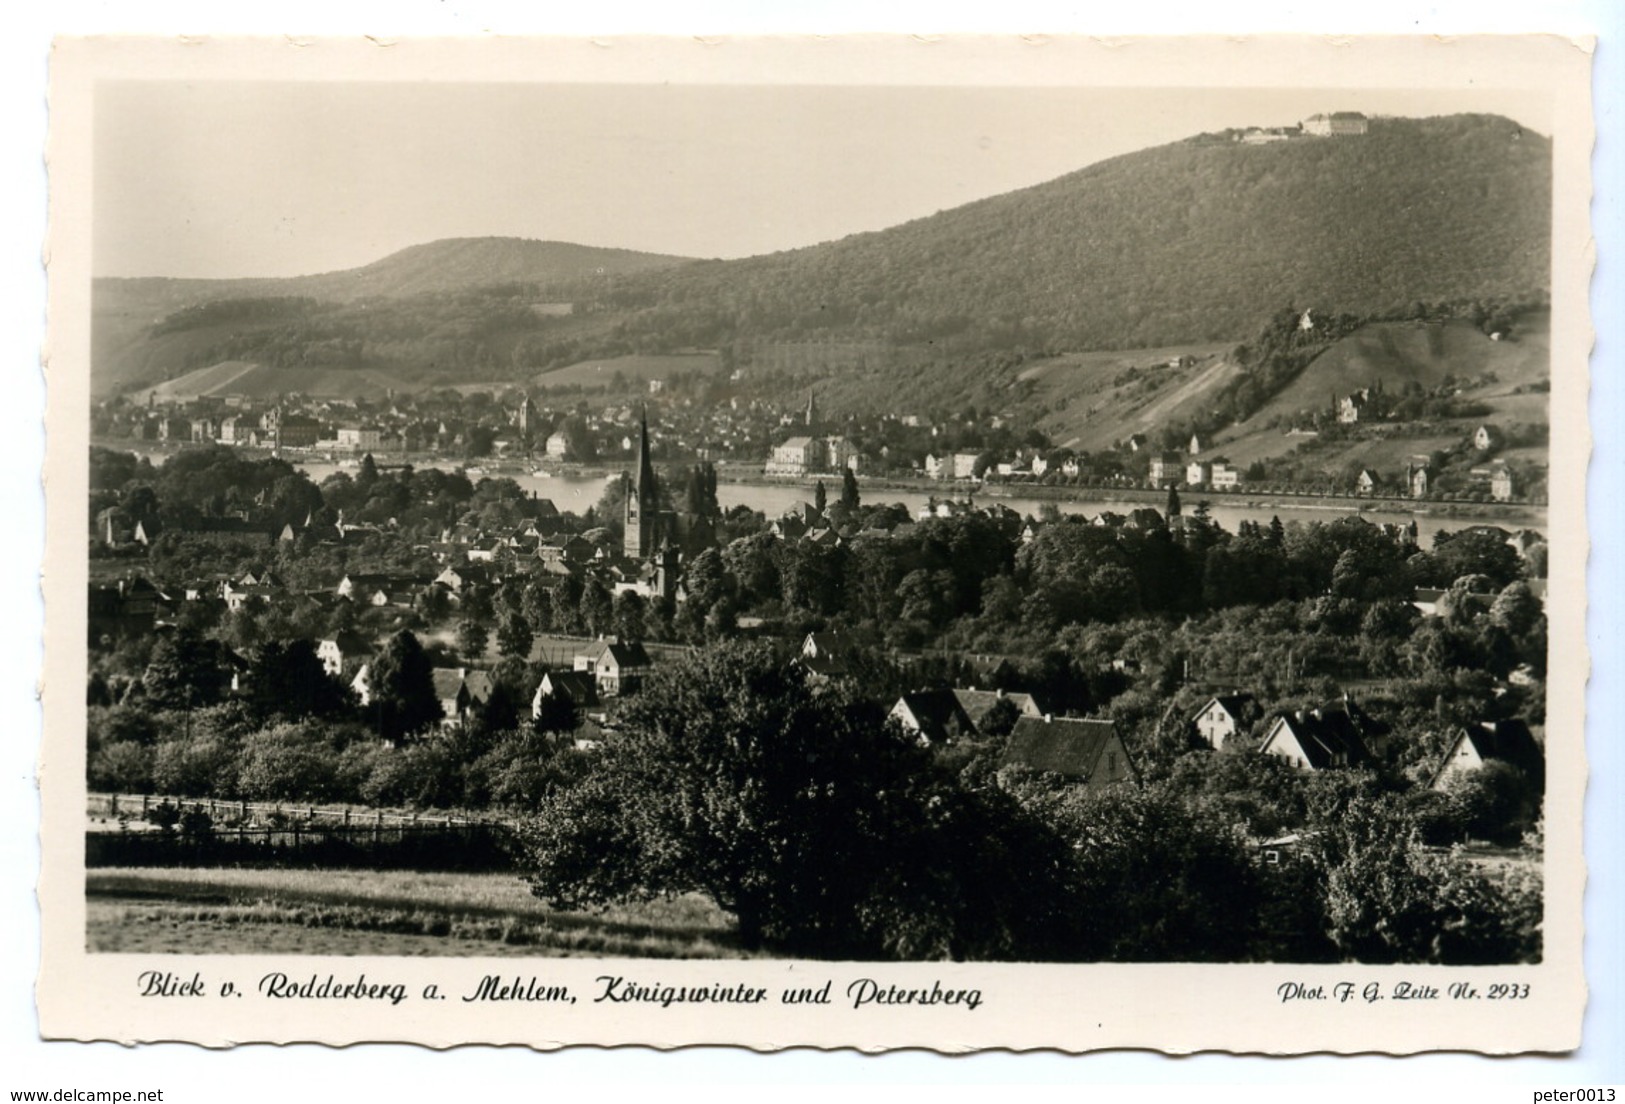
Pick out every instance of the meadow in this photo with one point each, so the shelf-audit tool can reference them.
(246, 911)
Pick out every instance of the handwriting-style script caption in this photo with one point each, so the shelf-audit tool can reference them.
(859, 993)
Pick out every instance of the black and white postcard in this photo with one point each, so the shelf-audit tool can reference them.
(876, 542)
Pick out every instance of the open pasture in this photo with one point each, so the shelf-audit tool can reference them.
(242, 911)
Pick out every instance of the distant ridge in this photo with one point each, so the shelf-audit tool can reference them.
(459, 263)
(1196, 242)
(447, 264)
(126, 353)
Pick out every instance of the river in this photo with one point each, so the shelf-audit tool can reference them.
(574, 493)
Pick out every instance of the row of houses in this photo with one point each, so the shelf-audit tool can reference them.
(605, 669)
(1496, 478)
(1339, 734)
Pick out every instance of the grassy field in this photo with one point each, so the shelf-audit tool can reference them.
(235, 911)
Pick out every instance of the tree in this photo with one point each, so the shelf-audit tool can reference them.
(186, 672)
(1494, 802)
(1388, 899)
(597, 608)
(286, 762)
(472, 639)
(1474, 552)
(850, 499)
(289, 680)
(401, 681)
(819, 826)
(1516, 609)
(500, 712)
(1000, 718)
(820, 496)
(1165, 880)
(514, 636)
(558, 713)
(707, 581)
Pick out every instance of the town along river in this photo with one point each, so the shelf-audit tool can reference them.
(574, 493)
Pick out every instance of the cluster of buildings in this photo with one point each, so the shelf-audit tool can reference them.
(1336, 124)
(1494, 478)
(1191, 469)
(1339, 733)
(439, 423)
(602, 670)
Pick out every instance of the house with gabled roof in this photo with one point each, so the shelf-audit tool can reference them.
(618, 667)
(460, 577)
(1224, 715)
(576, 686)
(461, 691)
(1318, 739)
(238, 597)
(824, 654)
(341, 648)
(977, 704)
(933, 716)
(1085, 751)
(1474, 745)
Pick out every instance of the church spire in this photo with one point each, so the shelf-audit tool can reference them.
(642, 499)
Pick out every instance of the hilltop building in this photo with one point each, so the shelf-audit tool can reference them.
(1339, 124)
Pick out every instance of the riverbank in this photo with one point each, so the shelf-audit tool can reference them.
(1520, 513)
(581, 485)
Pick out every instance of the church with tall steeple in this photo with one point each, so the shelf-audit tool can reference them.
(642, 517)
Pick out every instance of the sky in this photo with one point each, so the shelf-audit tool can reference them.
(222, 178)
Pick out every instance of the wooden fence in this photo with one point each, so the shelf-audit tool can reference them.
(267, 834)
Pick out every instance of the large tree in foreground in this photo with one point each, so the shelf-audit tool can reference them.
(821, 828)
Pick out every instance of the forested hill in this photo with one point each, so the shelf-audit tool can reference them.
(1200, 240)
(448, 265)
(130, 349)
(456, 264)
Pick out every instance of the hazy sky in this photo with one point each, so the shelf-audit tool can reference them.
(278, 179)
